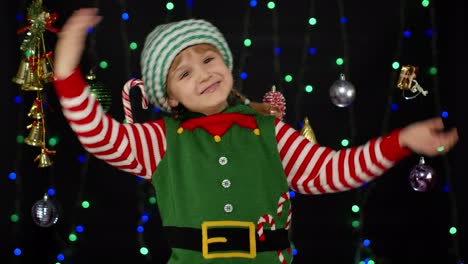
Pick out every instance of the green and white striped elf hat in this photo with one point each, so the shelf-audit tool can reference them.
(164, 43)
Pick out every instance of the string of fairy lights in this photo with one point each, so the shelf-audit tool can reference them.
(364, 253)
(146, 194)
(452, 229)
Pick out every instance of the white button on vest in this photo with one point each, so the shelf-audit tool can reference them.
(226, 183)
(228, 208)
(223, 160)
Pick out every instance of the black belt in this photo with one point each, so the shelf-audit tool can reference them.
(237, 239)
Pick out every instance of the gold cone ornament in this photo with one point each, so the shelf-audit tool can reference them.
(36, 111)
(43, 158)
(36, 134)
(308, 132)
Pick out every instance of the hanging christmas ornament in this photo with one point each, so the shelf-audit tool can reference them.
(36, 66)
(36, 110)
(102, 94)
(407, 82)
(36, 136)
(342, 92)
(308, 132)
(43, 158)
(421, 177)
(276, 99)
(44, 212)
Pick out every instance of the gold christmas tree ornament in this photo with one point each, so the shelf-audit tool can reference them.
(308, 132)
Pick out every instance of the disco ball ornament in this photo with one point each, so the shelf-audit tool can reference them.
(102, 94)
(342, 92)
(422, 176)
(44, 212)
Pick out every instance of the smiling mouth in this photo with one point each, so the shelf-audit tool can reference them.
(210, 88)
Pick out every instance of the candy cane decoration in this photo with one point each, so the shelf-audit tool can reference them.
(266, 218)
(284, 197)
(126, 98)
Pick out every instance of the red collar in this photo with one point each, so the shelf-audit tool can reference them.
(218, 124)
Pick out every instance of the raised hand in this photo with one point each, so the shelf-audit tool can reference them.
(72, 41)
(428, 138)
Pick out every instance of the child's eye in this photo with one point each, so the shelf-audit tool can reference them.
(184, 74)
(207, 60)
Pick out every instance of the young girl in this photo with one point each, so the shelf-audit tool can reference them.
(222, 173)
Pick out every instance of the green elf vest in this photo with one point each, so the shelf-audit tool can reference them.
(219, 176)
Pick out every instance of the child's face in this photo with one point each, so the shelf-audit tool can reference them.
(200, 80)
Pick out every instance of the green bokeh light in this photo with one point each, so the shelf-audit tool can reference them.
(85, 204)
(355, 208)
(20, 139)
(103, 64)
(170, 6)
(312, 21)
(133, 46)
(14, 218)
(344, 142)
(144, 251)
(53, 141)
(72, 237)
(356, 223)
(339, 61)
(309, 88)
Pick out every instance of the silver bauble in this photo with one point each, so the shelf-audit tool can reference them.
(342, 92)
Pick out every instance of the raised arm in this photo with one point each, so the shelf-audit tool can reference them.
(134, 148)
(314, 169)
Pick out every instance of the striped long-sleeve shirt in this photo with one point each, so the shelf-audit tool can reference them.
(138, 148)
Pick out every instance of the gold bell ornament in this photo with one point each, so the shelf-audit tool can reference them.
(36, 134)
(43, 158)
(32, 80)
(23, 71)
(36, 110)
(45, 67)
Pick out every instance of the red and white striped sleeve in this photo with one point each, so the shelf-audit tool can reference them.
(314, 169)
(134, 148)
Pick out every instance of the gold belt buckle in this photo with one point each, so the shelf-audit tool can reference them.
(206, 240)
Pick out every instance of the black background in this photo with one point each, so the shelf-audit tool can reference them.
(404, 226)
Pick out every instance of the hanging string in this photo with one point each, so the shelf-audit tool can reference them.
(243, 55)
(276, 57)
(364, 193)
(141, 194)
(302, 65)
(446, 164)
(16, 229)
(344, 39)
